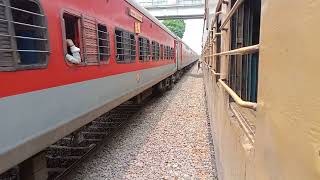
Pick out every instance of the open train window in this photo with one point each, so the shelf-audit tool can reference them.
(245, 31)
(104, 43)
(144, 49)
(23, 35)
(125, 46)
(71, 29)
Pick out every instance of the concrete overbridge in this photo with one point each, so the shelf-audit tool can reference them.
(175, 9)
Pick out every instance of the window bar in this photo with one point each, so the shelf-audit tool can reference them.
(219, 5)
(24, 24)
(22, 10)
(231, 12)
(236, 98)
(24, 37)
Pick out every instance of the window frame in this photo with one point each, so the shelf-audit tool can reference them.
(116, 48)
(108, 54)
(146, 56)
(13, 39)
(243, 71)
(64, 38)
(161, 52)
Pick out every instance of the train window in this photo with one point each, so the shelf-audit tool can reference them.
(104, 43)
(23, 35)
(72, 31)
(172, 53)
(125, 46)
(153, 44)
(161, 52)
(157, 51)
(165, 52)
(144, 49)
(168, 52)
(218, 49)
(245, 31)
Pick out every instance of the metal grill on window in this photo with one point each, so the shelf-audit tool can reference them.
(171, 53)
(243, 69)
(168, 53)
(161, 52)
(104, 43)
(23, 35)
(165, 52)
(144, 49)
(153, 45)
(155, 51)
(125, 46)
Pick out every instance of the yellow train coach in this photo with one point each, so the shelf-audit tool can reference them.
(261, 64)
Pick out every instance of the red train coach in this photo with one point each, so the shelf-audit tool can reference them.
(65, 62)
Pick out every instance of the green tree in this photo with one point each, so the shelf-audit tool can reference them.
(177, 26)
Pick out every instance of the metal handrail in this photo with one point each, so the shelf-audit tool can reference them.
(236, 98)
(231, 12)
(240, 51)
(215, 73)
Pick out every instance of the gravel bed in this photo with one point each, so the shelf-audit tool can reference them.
(168, 139)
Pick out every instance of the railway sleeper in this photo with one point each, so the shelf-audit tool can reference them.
(67, 150)
(95, 128)
(94, 135)
(106, 125)
(61, 161)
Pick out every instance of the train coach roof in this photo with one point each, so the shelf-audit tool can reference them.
(151, 17)
(146, 13)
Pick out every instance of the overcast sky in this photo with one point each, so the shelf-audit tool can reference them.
(193, 34)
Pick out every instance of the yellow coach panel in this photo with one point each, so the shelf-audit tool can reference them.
(288, 128)
(275, 133)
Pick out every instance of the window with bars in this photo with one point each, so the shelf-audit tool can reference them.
(23, 35)
(171, 53)
(144, 49)
(153, 44)
(104, 43)
(218, 49)
(165, 55)
(161, 52)
(155, 51)
(125, 46)
(168, 52)
(245, 31)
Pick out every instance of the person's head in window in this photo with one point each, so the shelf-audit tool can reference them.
(75, 56)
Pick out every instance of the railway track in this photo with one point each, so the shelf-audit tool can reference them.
(70, 151)
(66, 154)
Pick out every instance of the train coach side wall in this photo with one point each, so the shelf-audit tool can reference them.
(286, 141)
